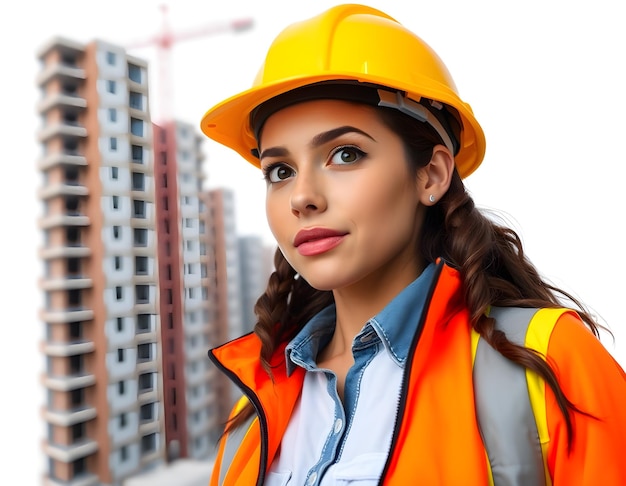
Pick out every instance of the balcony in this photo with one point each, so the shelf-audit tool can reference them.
(61, 158)
(62, 189)
(59, 70)
(62, 316)
(66, 349)
(68, 251)
(69, 453)
(61, 100)
(68, 383)
(61, 130)
(66, 418)
(65, 283)
(53, 220)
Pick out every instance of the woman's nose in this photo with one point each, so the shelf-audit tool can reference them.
(307, 195)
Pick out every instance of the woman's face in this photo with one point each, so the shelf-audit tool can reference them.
(342, 201)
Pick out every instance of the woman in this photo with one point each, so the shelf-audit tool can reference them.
(404, 338)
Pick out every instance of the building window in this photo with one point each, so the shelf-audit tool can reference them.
(73, 266)
(79, 466)
(123, 420)
(145, 380)
(146, 412)
(119, 293)
(76, 397)
(188, 223)
(75, 330)
(148, 443)
(144, 353)
(120, 355)
(142, 294)
(74, 298)
(113, 144)
(72, 235)
(115, 172)
(116, 202)
(139, 208)
(140, 236)
(191, 292)
(143, 322)
(138, 181)
(76, 364)
(120, 324)
(121, 388)
(136, 127)
(112, 115)
(135, 100)
(123, 453)
(134, 73)
(141, 265)
(137, 154)
(117, 262)
(111, 88)
(111, 58)
(117, 232)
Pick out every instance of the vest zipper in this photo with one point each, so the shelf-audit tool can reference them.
(407, 373)
(259, 411)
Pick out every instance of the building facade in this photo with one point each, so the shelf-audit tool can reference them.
(142, 274)
(102, 349)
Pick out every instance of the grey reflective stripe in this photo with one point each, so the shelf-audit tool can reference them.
(503, 406)
(233, 440)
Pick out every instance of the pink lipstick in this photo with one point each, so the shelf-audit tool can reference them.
(317, 240)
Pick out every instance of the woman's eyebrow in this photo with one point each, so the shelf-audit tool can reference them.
(324, 137)
(319, 139)
(274, 152)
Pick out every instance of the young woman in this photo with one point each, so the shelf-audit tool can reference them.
(404, 337)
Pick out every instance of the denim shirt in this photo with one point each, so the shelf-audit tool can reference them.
(322, 446)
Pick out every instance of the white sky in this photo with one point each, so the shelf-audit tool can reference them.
(545, 78)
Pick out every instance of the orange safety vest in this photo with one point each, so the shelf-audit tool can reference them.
(437, 439)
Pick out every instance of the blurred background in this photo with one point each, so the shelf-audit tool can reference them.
(545, 79)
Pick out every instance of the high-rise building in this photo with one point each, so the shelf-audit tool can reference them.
(254, 271)
(102, 349)
(129, 265)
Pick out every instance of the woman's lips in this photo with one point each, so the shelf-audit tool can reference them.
(317, 240)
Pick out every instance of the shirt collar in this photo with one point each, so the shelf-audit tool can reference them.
(395, 325)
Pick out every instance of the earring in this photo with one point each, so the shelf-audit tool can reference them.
(431, 198)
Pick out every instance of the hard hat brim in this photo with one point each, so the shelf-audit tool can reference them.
(228, 122)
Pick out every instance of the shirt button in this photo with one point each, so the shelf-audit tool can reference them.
(338, 425)
(312, 478)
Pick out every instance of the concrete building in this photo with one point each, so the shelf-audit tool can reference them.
(141, 276)
(103, 372)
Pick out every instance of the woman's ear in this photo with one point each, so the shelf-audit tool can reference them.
(434, 179)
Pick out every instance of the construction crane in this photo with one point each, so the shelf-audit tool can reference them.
(164, 41)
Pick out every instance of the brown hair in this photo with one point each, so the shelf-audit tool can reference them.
(489, 257)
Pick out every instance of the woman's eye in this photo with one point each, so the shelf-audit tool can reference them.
(346, 155)
(278, 173)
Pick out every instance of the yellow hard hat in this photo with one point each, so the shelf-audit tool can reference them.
(349, 43)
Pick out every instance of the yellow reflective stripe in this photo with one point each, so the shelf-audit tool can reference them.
(538, 338)
(474, 337)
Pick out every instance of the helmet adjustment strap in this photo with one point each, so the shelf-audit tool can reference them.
(402, 103)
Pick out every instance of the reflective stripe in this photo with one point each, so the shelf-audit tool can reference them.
(503, 407)
(233, 441)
